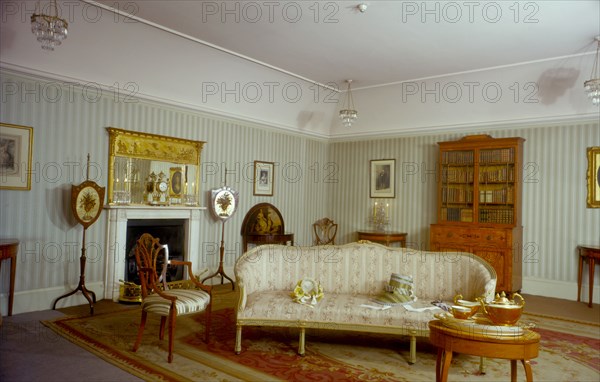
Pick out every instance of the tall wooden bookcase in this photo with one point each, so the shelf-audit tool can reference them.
(479, 203)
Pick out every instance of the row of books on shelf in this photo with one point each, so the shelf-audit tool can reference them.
(457, 157)
(456, 195)
(457, 175)
(502, 174)
(505, 155)
(496, 196)
(454, 214)
(499, 216)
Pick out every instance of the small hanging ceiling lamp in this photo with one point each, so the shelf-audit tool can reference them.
(50, 30)
(592, 86)
(348, 114)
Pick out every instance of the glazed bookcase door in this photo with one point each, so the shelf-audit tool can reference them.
(457, 189)
(496, 186)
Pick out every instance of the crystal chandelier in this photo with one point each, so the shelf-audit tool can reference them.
(592, 86)
(49, 30)
(348, 114)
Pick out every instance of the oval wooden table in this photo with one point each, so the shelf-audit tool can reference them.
(515, 348)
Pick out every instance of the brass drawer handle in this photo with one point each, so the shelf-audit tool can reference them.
(489, 237)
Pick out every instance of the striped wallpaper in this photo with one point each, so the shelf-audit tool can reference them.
(313, 178)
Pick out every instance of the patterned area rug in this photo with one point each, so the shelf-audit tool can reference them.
(569, 351)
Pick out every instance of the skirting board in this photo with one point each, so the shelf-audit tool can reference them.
(559, 289)
(43, 299)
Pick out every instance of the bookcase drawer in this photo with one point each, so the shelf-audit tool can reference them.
(495, 237)
(480, 236)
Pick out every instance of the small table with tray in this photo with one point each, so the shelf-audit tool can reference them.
(479, 337)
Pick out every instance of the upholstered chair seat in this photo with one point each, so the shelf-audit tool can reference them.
(188, 302)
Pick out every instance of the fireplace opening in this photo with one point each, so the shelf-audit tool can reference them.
(169, 231)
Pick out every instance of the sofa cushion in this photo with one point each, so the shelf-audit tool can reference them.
(332, 310)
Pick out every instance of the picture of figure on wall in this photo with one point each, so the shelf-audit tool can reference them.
(8, 152)
(382, 177)
(16, 144)
(263, 178)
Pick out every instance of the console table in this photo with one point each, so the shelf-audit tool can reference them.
(8, 251)
(277, 238)
(386, 237)
(591, 253)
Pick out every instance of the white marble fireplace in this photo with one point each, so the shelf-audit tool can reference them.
(117, 235)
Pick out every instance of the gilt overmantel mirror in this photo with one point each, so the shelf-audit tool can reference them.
(152, 169)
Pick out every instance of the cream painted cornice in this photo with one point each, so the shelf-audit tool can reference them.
(30, 74)
(474, 127)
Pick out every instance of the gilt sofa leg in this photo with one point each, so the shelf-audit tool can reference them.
(413, 350)
(301, 341)
(238, 339)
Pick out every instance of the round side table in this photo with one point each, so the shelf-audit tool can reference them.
(515, 348)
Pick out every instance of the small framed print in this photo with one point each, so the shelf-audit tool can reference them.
(382, 173)
(263, 178)
(176, 182)
(593, 177)
(16, 146)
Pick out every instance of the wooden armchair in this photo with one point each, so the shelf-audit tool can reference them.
(325, 231)
(152, 260)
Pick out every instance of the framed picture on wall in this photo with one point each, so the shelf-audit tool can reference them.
(16, 146)
(263, 178)
(593, 177)
(382, 175)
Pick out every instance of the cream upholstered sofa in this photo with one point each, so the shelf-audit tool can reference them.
(352, 275)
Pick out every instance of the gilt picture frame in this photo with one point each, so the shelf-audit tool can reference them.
(382, 176)
(264, 178)
(16, 149)
(593, 177)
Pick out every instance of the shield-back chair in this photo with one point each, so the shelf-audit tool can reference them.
(191, 296)
(325, 231)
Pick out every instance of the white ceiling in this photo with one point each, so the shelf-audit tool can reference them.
(391, 42)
